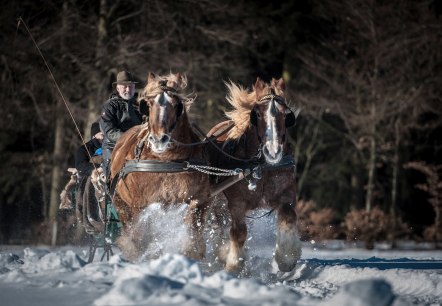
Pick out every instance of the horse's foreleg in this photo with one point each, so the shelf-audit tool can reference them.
(128, 241)
(195, 247)
(288, 244)
(220, 223)
(234, 254)
(129, 244)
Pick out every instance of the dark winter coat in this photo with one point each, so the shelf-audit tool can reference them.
(83, 162)
(117, 117)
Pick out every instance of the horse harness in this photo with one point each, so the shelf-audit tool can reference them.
(251, 168)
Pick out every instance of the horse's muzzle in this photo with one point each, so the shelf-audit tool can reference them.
(272, 154)
(159, 144)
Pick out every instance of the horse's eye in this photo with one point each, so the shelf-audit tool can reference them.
(258, 114)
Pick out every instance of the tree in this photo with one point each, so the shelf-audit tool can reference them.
(367, 72)
(432, 186)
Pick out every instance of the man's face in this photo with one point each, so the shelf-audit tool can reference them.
(126, 91)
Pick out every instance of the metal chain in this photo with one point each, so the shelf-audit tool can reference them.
(206, 170)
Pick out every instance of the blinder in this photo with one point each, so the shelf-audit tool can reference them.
(179, 108)
(144, 108)
(290, 119)
(253, 117)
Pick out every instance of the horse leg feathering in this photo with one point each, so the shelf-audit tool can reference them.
(288, 244)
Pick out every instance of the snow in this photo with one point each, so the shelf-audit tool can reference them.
(332, 273)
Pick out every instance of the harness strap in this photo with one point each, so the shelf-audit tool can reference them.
(147, 165)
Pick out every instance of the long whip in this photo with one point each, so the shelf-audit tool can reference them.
(20, 20)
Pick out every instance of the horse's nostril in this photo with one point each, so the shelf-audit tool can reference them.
(164, 138)
(151, 138)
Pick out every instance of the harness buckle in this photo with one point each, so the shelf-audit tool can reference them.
(187, 167)
(257, 173)
(252, 185)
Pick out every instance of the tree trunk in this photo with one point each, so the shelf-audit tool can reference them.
(309, 154)
(394, 179)
(99, 76)
(371, 162)
(56, 169)
(57, 153)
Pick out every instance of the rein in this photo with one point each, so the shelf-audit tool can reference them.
(210, 140)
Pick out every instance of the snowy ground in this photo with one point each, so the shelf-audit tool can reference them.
(332, 274)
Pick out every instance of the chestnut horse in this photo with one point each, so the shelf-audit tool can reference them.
(258, 142)
(149, 163)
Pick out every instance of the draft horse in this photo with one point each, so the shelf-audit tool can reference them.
(149, 165)
(258, 141)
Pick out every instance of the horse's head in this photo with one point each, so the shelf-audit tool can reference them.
(272, 117)
(165, 107)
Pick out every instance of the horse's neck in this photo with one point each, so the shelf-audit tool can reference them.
(249, 143)
(287, 149)
(183, 134)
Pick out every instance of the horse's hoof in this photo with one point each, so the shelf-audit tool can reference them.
(286, 267)
(234, 268)
(194, 253)
(234, 263)
(286, 263)
(288, 250)
(197, 257)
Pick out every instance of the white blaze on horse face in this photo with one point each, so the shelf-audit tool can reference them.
(162, 100)
(160, 143)
(272, 148)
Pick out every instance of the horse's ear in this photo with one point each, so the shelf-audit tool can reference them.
(280, 84)
(181, 80)
(259, 88)
(259, 85)
(179, 109)
(151, 77)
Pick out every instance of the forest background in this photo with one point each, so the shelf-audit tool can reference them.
(366, 75)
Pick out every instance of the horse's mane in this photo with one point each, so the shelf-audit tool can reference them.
(176, 81)
(243, 101)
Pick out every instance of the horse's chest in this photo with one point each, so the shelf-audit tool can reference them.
(272, 187)
(167, 187)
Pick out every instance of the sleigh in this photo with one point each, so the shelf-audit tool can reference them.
(93, 209)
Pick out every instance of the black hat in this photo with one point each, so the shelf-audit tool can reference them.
(95, 128)
(124, 77)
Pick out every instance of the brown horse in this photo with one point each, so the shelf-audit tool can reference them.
(149, 163)
(258, 141)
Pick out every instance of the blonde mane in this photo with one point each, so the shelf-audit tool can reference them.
(243, 101)
(176, 81)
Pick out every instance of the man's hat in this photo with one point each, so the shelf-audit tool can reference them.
(95, 128)
(124, 77)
